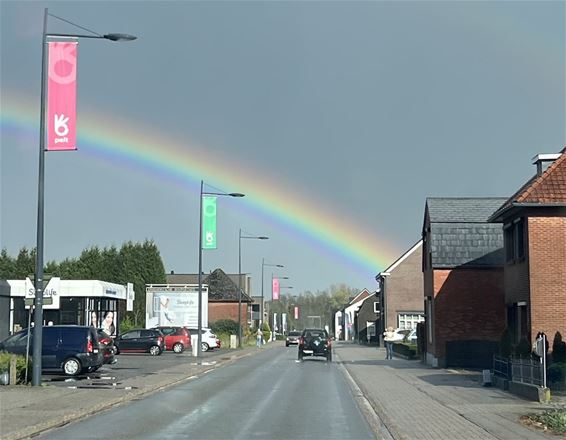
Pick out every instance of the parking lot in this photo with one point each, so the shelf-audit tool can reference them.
(130, 365)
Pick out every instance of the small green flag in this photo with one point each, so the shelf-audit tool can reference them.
(209, 222)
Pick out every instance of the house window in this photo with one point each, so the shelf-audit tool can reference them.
(409, 320)
(514, 237)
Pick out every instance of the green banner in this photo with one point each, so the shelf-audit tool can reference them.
(209, 222)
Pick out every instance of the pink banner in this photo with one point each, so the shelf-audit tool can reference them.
(296, 312)
(62, 96)
(275, 288)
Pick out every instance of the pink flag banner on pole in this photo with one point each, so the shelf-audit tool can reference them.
(275, 290)
(62, 96)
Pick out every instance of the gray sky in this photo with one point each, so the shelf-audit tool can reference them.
(337, 119)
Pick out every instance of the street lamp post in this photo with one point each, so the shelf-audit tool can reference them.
(263, 264)
(199, 325)
(273, 314)
(240, 236)
(38, 306)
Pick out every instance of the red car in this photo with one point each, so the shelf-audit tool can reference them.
(177, 339)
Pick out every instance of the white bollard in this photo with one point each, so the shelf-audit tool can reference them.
(194, 345)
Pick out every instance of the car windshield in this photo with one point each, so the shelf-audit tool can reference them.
(360, 204)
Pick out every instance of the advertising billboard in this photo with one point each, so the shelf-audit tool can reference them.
(170, 305)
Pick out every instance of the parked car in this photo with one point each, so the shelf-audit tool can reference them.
(315, 342)
(71, 349)
(292, 338)
(140, 340)
(209, 341)
(177, 339)
(107, 347)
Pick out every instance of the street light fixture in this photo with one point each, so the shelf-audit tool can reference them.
(263, 264)
(38, 306)
(199, 325)
(240, 236)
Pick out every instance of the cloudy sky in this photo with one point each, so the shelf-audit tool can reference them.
(336, 119)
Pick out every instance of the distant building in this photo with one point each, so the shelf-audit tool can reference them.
(223, 298)
(400, 291)
(367, 320)
(463, 281)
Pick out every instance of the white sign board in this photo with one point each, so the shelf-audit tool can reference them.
(51, 293)
(175, 307)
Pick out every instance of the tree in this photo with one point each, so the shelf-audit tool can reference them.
(7, 265)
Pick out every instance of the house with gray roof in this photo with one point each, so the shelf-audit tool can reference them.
(463, 281)
(223, 298)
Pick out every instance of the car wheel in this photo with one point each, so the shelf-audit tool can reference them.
(72, 367)
(154, 350)
(178, 347)
(204, 346)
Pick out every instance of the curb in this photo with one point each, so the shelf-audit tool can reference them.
(34, 430)
(374, 417)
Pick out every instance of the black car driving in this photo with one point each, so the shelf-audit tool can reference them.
(315, 342)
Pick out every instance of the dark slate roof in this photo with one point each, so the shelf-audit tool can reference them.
(460, 234)
(221, 287)
(462, 209)
(546, 190)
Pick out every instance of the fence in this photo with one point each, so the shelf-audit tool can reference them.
(524, 370)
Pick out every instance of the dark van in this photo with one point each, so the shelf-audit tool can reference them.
(71, 349)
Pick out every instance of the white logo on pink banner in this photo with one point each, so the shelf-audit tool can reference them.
(62, 96)
(275, 290)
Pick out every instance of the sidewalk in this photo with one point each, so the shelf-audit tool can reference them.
(26, 411)
(418, 402)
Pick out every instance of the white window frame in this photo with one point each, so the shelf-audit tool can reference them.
(409, 320)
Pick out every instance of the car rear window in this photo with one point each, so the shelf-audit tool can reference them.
(294, 333)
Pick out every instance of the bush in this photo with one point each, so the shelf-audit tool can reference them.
(20, 366)
(523, 348)
(405, 349)
(228, 326)
(558, 349)
(556, 372)
(266, 331)
(553, 419)
(506, 344)
(127, 323)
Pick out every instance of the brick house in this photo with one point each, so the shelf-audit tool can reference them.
(463, 281)
(400, 288)
(534, 225)
(222, 293)
(367, 320)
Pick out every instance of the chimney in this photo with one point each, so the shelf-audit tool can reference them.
(543, 161)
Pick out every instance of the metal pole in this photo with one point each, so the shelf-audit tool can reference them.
(261, 305)
(199, 325)
(38, 312)
(240, 289)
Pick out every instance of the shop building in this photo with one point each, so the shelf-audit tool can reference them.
(79, 302)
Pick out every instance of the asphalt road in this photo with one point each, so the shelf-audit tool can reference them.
(267, 396)
(130, 365)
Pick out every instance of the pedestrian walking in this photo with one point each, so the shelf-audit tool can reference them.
(259, 338)
(389, 337)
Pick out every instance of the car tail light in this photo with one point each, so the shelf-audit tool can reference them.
(89, 347)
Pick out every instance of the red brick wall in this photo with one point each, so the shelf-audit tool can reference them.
(468, 305)
(404, 288)
(226, 310)
(547, 257)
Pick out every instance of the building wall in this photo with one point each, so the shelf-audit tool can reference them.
(404, 288)
(468, 305)
(227, 310)
(547, 257)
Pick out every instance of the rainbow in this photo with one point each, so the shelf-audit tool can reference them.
(123, 142)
